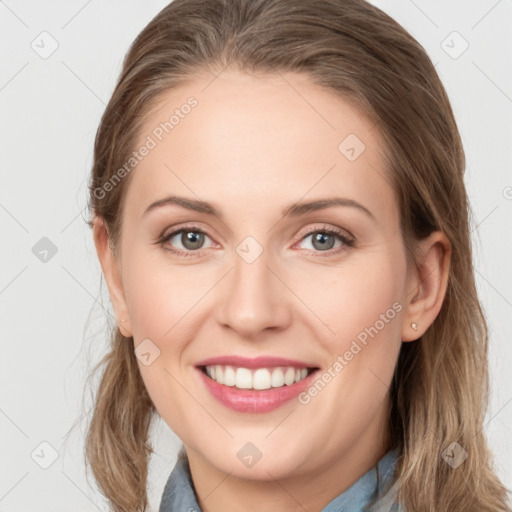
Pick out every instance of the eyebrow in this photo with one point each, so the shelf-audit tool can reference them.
(293, 210)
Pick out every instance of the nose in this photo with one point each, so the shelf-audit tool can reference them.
(254, 299)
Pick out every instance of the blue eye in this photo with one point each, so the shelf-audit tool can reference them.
(323, 240)
(192, 241)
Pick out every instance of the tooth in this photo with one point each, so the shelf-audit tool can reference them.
(243, 378)
(261, 379)
(289, 376)
(219, 374)
(277, 379)
(229, 376)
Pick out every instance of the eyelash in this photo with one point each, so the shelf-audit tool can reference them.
(347, 241)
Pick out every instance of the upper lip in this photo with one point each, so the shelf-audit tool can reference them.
(256, 362)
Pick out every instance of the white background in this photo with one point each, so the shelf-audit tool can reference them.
(53, 314)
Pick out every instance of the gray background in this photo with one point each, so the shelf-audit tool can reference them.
(53, 309)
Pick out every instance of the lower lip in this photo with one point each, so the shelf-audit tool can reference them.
(254, 401)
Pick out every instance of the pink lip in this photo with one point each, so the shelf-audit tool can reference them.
(257, 362)
(254, 401)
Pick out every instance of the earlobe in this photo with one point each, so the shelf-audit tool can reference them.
(426, 285)
(112, 274)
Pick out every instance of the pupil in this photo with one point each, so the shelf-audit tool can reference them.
(191, 239)
(320, 237)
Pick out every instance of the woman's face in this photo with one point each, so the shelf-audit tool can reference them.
(266, 275)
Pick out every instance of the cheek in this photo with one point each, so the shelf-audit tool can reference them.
(159, 301)
(154, 308)
(363, 293)
(367, 322)
(159, 295)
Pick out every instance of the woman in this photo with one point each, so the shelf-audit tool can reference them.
(279, 210)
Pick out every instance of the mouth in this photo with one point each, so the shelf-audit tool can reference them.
(256, 378)
(257, 385)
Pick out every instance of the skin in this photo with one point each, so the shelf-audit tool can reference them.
(253, 146)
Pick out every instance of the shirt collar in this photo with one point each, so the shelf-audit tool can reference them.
(179, 490)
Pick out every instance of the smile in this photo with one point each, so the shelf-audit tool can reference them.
(254, 385)
(260, 378)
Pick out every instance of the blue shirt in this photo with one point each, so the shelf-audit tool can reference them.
(179, 495)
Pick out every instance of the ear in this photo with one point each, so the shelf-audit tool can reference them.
(111, 271)
(426, 285)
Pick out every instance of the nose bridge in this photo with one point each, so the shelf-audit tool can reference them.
(255, 299)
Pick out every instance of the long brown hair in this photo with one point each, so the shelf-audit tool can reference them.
(441, 385)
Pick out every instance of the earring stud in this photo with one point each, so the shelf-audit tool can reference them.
(414, 325)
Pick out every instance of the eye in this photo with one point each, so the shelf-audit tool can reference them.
(184, 241)
(324, 239)
(190, 240)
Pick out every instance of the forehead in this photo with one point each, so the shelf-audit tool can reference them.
(261, 140)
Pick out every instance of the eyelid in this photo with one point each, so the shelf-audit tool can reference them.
(190, 226)
(322, 227)
(304, 232)
(171, 232)
(346, 238)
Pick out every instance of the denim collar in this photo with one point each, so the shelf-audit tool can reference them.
(179, 495)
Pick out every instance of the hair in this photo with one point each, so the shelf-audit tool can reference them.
(440, 387)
